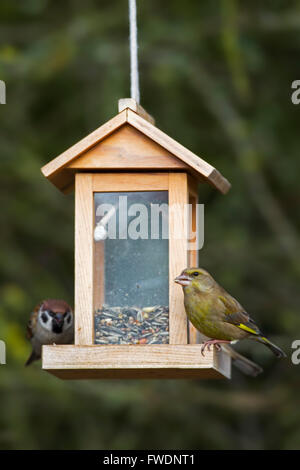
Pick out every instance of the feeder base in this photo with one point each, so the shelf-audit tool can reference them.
(163, 361)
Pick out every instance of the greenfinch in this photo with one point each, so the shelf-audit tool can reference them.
(216, 314)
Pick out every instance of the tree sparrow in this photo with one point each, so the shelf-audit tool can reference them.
(51, 322)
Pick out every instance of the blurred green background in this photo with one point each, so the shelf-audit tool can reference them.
(217, 76)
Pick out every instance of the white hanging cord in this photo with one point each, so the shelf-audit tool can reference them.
(134, 66)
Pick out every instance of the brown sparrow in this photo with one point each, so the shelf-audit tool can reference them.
(51, 322)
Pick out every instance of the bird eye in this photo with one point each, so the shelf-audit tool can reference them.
(195, 273)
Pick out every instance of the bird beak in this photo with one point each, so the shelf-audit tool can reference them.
(59, 319)
(183, 280)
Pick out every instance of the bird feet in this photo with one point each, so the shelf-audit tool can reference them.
(214, 342)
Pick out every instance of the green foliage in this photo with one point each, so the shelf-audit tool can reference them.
(217, 76)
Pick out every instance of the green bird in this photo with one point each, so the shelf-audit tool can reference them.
(217, 314)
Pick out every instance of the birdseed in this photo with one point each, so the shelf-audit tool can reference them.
(132, 325)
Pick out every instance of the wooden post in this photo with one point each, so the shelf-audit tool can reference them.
(178, 199)
(84, 254)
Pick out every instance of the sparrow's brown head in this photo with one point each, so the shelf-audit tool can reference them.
(55, 315)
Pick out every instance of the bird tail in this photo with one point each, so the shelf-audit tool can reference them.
(242, 363)
(33, 357)
(275, 349)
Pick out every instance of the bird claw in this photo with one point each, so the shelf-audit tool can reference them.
(212, 342)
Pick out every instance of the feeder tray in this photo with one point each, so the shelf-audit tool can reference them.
(130, 320)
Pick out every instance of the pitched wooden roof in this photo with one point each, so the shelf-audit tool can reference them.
(60, 171)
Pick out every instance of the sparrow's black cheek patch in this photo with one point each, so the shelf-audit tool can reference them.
(69, 319)
(44, 318)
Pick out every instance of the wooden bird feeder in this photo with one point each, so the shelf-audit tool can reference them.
(129, 314)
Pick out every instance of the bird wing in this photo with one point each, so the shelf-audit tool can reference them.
(29, 332)
(236, 315)
(31, 325)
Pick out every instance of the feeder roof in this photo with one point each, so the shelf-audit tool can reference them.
(60, 171)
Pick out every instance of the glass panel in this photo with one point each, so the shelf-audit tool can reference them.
(131, 285)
